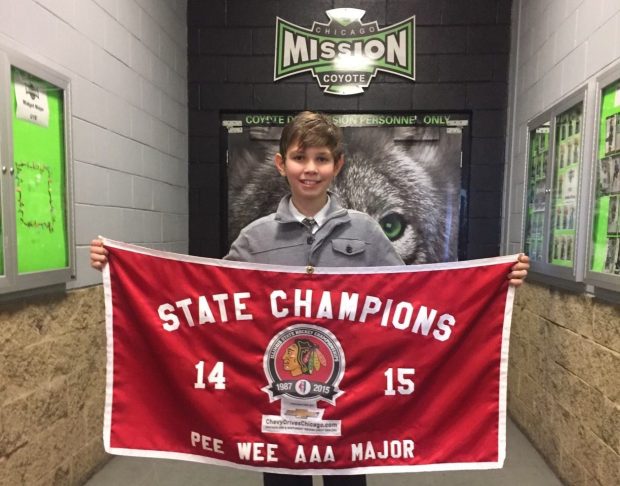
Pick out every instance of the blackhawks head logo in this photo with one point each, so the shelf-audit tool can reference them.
(304, 362)
(303, 357)
(344, 54)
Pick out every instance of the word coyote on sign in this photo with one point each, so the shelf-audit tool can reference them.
(340, 371)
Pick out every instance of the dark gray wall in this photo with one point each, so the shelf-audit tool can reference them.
(461, 61)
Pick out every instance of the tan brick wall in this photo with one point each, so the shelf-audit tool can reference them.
(564, 382)
(52, 387)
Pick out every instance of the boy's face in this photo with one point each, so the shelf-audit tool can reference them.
(309, 171)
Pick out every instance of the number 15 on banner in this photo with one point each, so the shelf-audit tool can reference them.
(405, 384)
(216, 376)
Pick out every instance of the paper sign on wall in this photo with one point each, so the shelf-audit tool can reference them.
(32, 104)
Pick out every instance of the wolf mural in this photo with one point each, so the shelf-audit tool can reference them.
(408, 179)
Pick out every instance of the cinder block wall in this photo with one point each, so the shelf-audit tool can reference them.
(564, 374)
(564, 381)
(52, 385)
(127, 62)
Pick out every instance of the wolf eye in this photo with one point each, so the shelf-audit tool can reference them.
(393, 226)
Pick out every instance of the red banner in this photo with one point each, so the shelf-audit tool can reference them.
(339, 371)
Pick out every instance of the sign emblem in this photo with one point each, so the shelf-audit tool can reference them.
(345, 54)
(303, 364)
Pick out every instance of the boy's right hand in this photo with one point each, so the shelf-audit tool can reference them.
(98, 255)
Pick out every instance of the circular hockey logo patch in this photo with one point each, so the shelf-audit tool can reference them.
(304, 362)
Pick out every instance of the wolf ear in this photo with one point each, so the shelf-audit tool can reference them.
(279, 161)
(338, 165)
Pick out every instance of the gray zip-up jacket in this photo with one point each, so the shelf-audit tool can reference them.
(346, 239)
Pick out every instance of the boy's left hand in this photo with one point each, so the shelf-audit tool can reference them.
(518, 272)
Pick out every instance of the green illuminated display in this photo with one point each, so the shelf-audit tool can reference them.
(536, 195)
(39, 163)
(606, 228)
(567, 158)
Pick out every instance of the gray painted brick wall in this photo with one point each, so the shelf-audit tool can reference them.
(127, 60)
(462, 65)
(560, 46)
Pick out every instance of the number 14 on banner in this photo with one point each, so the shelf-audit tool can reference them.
(218, 380)
(216, 376)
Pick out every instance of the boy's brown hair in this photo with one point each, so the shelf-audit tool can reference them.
(311, 129)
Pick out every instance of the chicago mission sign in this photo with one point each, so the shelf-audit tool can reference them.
(344, 54)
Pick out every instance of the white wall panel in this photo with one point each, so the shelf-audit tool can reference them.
(559, 46)
(574, 68)
(565, 38)
(127, 60)
(602, 46)
(120, 192)
(92, 185)
(117, 40)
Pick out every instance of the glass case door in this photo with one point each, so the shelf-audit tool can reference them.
(567, 162)
(605, 256)
(538, 162)
(554, 181)
(39, 162)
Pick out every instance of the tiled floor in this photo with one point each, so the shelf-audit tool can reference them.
(523, 467)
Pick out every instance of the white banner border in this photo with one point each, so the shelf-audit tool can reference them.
(423, 267)
(503, 374)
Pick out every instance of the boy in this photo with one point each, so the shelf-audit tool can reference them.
(311, 155)
(310, 228)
